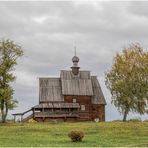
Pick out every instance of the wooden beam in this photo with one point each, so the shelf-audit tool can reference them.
(33, 113)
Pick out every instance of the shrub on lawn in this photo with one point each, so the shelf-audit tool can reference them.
(76, 136)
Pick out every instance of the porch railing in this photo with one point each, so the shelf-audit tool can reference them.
(55, 114)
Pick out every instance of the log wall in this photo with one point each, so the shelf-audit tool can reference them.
(91, 111)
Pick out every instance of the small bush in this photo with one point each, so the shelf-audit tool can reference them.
(76, 136)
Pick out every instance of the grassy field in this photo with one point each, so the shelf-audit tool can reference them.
(96, 134)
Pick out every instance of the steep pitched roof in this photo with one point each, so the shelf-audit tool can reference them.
(50, 90)
(76, 84)
(54, 89)
(98, 97)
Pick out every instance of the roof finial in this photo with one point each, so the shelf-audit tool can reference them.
(75, 59)
(75, 48)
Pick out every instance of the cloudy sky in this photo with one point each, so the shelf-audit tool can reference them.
(48, 32)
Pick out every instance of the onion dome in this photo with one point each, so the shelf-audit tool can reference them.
(75, 59)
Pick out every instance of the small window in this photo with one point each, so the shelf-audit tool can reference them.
(82, 107)
(74, 100)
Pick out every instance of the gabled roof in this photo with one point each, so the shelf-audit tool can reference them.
(50, 90)
(54, 89)
(76, 84)
(98, 97)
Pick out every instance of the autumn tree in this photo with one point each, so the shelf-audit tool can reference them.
(127, 80)
(9, 53)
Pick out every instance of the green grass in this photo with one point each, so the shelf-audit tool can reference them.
(96, 134)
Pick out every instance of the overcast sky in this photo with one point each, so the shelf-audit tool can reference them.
(48, 32)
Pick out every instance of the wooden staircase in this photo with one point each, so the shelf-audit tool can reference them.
(22, 114)
(27, 118)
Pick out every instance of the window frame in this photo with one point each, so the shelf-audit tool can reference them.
(74, 100)
(83, 108)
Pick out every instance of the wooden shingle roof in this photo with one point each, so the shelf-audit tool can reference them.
(98, 97)
(76, 84)
(54, 89)
(50, 90)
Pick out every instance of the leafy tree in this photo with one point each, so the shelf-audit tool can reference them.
(9, 53)
(127, 80)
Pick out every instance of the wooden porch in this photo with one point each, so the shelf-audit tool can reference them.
(54, 115)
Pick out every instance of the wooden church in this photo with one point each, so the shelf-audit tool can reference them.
(74, 96)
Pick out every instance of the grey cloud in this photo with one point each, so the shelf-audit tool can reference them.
(138, 8)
